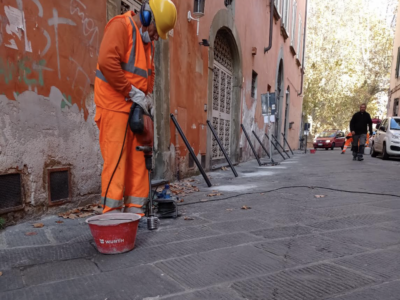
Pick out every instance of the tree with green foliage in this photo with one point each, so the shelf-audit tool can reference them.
(348, 59)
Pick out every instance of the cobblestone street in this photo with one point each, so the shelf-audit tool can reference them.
(343, 244)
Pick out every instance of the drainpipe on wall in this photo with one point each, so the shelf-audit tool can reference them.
(271, 23)
(304, 49)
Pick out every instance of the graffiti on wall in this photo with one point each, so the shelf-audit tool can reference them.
(50, 43)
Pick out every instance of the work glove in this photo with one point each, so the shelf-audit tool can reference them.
(138, 97)
(150, 104)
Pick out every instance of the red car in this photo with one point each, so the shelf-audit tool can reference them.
(330, 139)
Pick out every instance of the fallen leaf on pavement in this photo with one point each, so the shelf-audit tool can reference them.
(229, 209)
(320, 196)
(84, 215)
(188, 219)
(262, 194)
(215, 194)
(181, 200)
(1, 273)
(31, 233)
(72, 216)
(246, 207)
(59, 222)
(203, 200)
(38, 225)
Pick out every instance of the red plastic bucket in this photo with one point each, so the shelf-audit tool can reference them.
(114, 233)
(312, 151)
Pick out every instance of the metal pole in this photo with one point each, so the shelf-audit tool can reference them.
(284, 158)
(284, 138)
(305, 148)
(283, 149)
(265, 149)
(251, 145)
(191, 150)
(222, 148)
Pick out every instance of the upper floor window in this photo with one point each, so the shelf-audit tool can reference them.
(254, 85)
(299, 37)
(293, 29)
(278, 6)
(396, 107)
(398, 63)
(285, 16)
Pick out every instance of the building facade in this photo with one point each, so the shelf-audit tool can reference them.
(394, 90)
(216, 72)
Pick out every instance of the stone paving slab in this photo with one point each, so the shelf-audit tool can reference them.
(352, 221)
(11, 280)
(19, 238)
(38, 255)
(215, 293)
(285, 231)
(393, 204)
(57, 271)
(129, 284)
(383, 265)
(148, 239)
(371, 237)
(348, 210)
(172, 250)
(239, 225)
(309, 249)
(387, 291)
(210, 268)
(315, 282)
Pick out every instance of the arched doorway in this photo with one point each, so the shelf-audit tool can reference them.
(222, 94)
(279, 98)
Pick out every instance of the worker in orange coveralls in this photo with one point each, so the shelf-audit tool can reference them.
(125, 78)
(349, 141)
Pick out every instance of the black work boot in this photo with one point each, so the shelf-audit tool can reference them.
(360, 158)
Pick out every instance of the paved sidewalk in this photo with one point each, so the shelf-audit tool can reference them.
(290, 245)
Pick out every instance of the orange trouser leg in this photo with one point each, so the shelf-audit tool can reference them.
(347, 144)
(136, 181)
(112, 127)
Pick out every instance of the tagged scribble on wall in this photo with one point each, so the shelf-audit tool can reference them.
(49, 43)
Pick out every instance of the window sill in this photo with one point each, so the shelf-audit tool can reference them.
(298, 62)
(292, 50)
(284, 32)
(276, 13)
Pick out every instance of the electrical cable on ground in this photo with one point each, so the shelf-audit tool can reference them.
(290, 187)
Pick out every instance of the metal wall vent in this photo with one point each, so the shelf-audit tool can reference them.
(191, 162)
(10, 192)
(59, 185)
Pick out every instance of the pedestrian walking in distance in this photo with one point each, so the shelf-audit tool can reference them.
(358, 127)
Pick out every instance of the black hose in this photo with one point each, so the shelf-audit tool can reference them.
(291, 187)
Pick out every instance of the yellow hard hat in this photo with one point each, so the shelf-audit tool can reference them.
(165, 15)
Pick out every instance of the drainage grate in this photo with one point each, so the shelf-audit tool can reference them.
(59, 185)
(10, 191)
(191, 162)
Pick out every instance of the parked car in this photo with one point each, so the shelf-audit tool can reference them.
(387, 138)
(330, 139)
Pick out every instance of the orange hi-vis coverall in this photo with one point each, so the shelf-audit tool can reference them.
(124, 60)
(349, 141)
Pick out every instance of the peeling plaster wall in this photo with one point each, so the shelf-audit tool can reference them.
(48, 56)
(190, 75)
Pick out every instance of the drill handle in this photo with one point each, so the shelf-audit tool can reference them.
(144, 148)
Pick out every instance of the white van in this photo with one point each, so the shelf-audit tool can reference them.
(387, 138)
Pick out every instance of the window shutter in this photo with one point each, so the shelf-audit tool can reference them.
(294, 12)
(397, 63)
(299, 38)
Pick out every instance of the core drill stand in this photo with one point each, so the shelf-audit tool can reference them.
(152, 221)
